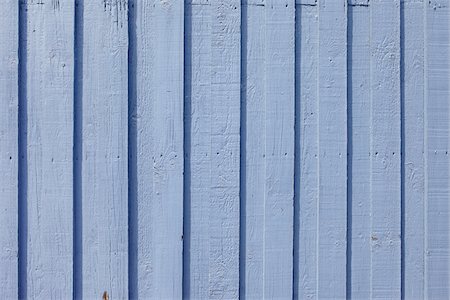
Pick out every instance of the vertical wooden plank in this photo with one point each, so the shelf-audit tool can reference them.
(224, 143)
(198, 98)
(359, 143)
(104, 149)
(413, 148)
(307, 35)
(253, 56)
(159, 33)
(279, 148)
(269, 99)
(214, 93)
(9, 15)
(49, 80)
(332, 136)
(385, 149)
(437, 142)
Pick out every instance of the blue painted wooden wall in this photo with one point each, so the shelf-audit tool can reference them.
(224, 149)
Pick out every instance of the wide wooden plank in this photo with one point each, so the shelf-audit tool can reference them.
(253, 106)
(9, 35)
(104, 149)
(213, 91)
(224, 143)
(268, 65)
(307, 43)
(279, 148)
(49, 96)
(359, 148)
(159, 117)
(385, 153)
(198, 149)
(413, 140)
(437, 109)
(332, 136)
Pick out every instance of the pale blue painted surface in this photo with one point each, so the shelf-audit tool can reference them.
(253, 149)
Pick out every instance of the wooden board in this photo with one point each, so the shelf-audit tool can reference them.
(253, 143)
(279, 147)
(413, 142)
(104, 149)
(437, 108)
(9, 34)
(213, 81)
(358, 268)
(332, 160)
(385, 190)
(159, 121)
(269, 149)
(49, 100)
(307, 152)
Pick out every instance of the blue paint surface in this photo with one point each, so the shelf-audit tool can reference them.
(253, 149)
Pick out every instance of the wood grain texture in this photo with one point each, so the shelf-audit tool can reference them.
(254, 99)
(269, 100)
(224, 143)
(332, 137)
(214, 166)
(199, 130)
(198, 149)
(49, 84)
(437, 108)
(307, 35)
(9, 35)
(159, 117)
(104, 149)
(359, 143)
(413, 138)
(385, 149)
(279, 148)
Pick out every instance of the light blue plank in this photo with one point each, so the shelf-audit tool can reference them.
(198, 127)
(159, 42)
(104, 149)
(307, 39)
(332, 137)
(437, 108)
(9, 35)
(49, 96)
(224, 143)
(359, 143)
(214, 166)
(279, 148)
(269, 99)
(385, 149)
(254, 98)
(413, 148)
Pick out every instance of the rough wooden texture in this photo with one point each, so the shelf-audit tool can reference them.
(159, 117)
(413, 139)
(359, 149)
(278, 106)
(9, 35)
(253, 196)
(49, 99)
(214, 96)
(437, 109)
(385, 189)
(198, 150)
(253, 149)
(307, 168)
(269, 105)
(104, 149)
(332, 160)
